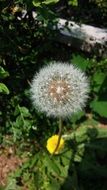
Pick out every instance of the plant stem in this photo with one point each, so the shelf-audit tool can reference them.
(59, 134)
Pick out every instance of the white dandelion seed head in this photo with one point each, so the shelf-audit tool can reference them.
(59, 90)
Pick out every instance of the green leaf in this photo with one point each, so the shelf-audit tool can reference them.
(54, 185)
(78, 116)
(51, 165)
(66, 157)
(65, 160)
(36, 3)
(99, 77)
(80, 135)
(79, 152)
(21, 110)
(12, 184)
(19, 121)
(4, 89)
(80, 62)
(84, 133)
(17, 110)
(24, 111)
(102, 132)
(73, 2)
(63, 167)
(3, 73)
(98, 80)
(50, 1)
(99, 107)
(34, 160)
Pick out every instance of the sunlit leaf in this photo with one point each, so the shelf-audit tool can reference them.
(80, 62)
(100, 107)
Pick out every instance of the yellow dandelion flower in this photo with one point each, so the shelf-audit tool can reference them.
(52, 143)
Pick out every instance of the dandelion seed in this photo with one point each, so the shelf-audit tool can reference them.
(59, 90)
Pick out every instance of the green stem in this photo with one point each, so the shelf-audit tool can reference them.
(59, 134)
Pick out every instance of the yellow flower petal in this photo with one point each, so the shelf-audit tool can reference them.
(52, 143)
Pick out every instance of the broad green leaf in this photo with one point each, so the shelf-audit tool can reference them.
(65, 160)
(99, 77)
(51, 165)
(66, 157)
(76, 117)
(4, 89)
(54, 185)
(99, 107)
(63, 168)
(64, 171)
(80, 62)
(98, 80)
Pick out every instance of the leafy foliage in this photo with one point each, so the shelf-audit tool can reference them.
(25, 46)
